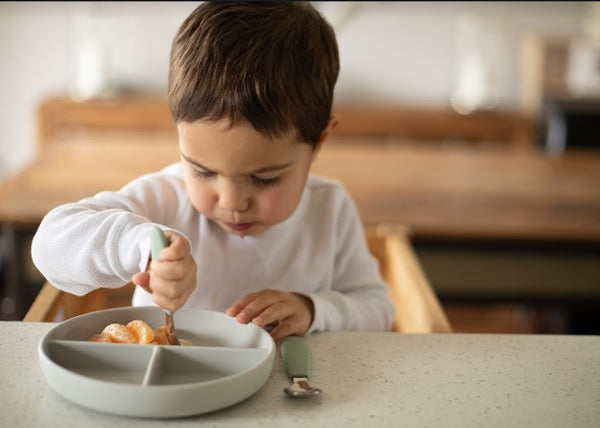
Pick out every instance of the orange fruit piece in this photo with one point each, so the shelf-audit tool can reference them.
(141, 330)
(160, 336)
(172, 339)
(138, 332)
(119, 333)
(100, 337)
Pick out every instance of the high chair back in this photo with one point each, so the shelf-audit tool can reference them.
(418, 309)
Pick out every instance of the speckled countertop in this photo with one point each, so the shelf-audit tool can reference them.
(368, 379)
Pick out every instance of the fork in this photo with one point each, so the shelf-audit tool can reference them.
(158, 241)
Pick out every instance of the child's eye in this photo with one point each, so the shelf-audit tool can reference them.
(203, 174)
(265, 181)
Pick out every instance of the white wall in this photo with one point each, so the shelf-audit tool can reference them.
(393, 53)
(37, 58)
(406, 53)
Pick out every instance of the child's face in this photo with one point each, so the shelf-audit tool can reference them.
(244, 181)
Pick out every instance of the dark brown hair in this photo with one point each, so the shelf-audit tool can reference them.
(274, 64)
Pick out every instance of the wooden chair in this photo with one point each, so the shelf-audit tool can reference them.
(418, 309)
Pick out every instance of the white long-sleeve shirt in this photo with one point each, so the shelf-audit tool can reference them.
(319, 251)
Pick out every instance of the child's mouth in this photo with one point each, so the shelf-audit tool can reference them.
(238, 227)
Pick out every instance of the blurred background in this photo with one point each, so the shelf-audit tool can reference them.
(403, 53)
(536, 61)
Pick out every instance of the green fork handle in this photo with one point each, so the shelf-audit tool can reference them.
(158, 241)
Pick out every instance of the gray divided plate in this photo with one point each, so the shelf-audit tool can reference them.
(227, 363)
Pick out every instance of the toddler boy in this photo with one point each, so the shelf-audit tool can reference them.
(250, 231)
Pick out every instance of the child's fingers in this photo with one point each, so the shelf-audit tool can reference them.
(238, 306)
(173, 285)
(172, 282)
(290, 313)
(177, 249)
(234, 309)
(171, 304)
(249, 306)
(274, 313)
(171, 270)
(287, 327)
(171, 294)
(142, 279)
(166, 288)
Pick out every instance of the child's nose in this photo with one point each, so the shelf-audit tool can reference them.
(232, 197)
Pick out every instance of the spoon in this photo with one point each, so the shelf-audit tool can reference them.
(158, 241)
(296, 361)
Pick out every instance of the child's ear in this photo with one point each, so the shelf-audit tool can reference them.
(333, 123)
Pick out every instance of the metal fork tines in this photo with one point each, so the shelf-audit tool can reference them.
(170, 323)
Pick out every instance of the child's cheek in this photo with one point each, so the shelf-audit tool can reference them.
(277, 204)
(201, 198)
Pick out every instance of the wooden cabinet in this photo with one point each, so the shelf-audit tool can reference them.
(58, 116)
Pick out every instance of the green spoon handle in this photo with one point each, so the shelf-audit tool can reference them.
(296, 357)
(158, 241)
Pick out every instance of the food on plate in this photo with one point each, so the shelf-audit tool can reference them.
(119, 333)
(160, 335)
(141, 330)
(138, 332)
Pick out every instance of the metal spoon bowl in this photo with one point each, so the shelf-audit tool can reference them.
(301, 388)
(296, 361)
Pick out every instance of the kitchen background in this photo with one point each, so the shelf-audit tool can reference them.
(463, 56)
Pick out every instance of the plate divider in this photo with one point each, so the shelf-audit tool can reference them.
(154, 366)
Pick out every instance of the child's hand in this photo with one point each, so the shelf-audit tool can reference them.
(172, 278)
(290, 313)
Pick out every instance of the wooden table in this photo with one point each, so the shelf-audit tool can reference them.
(368, 379)
(466, 194)
(438, 193)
